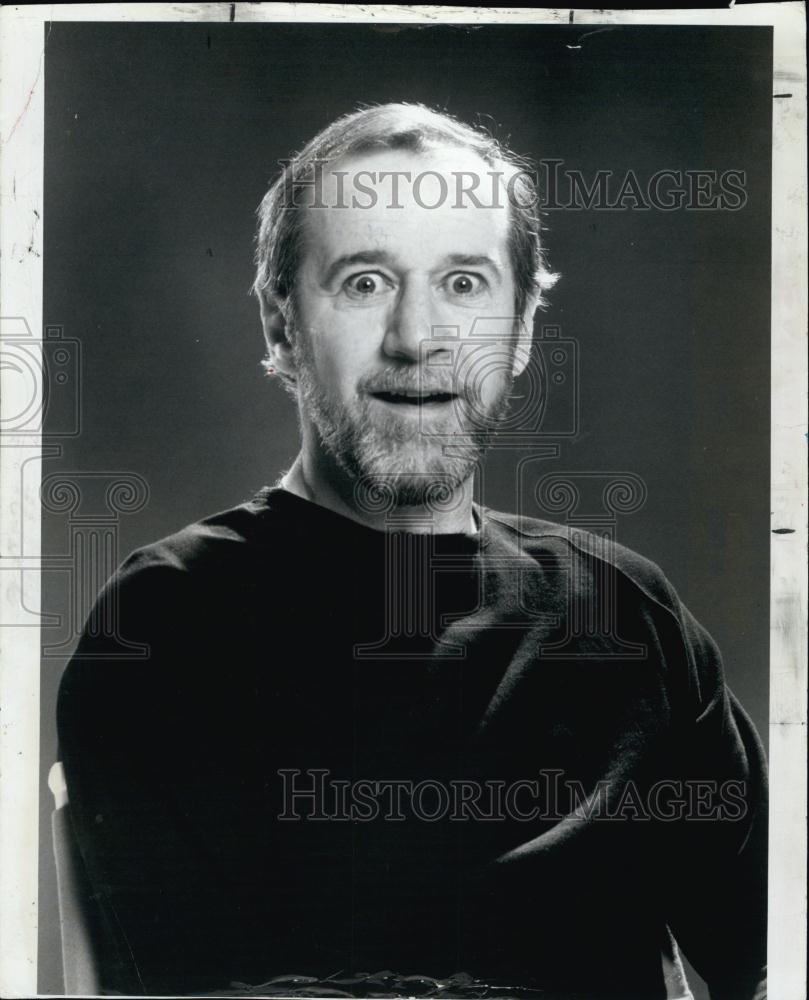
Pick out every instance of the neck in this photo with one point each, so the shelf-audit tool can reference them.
(308, 481)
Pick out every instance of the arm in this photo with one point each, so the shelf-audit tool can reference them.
(124, 731)
(718, 899)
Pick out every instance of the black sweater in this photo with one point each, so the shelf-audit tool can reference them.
(525, 759)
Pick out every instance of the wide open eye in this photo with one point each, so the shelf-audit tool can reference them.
(366, 284)
(463, 284)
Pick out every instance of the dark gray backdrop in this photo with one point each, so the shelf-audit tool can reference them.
(160, 141)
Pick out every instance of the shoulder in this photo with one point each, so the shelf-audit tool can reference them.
(569, 546)
(171, 589)
(207, 546)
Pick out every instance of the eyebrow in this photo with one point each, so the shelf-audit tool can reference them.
(471, 260)
(370, 257)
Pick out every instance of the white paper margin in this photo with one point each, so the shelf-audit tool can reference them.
(22, 72)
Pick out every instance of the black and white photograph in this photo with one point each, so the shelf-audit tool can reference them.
(404, 504)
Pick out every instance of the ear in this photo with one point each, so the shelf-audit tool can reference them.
(525, 338)
(274, 322)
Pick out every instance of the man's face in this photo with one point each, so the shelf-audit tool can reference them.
(404, 336)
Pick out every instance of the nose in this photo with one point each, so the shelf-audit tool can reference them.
(409, 332)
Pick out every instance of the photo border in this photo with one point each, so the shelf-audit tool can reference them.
(22, 58)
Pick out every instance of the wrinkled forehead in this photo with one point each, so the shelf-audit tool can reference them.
(445, 200)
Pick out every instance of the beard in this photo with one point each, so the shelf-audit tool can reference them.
(392, 460)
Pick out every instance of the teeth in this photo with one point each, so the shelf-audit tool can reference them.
(417, 394)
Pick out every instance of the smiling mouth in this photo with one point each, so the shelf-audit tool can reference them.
(414, 397)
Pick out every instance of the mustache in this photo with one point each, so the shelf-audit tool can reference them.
(422, 381)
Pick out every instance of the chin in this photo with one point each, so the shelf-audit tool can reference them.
(391, 464)
(416, 478)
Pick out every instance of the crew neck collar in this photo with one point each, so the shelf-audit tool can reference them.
(280, 499)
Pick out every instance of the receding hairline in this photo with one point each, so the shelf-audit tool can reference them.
(417, 131)
(438, 148)
(339, 164)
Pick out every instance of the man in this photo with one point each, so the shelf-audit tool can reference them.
(348, 736)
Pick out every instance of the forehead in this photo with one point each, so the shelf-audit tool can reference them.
(417, 206)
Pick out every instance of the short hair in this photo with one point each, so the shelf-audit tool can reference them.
(412, 127)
